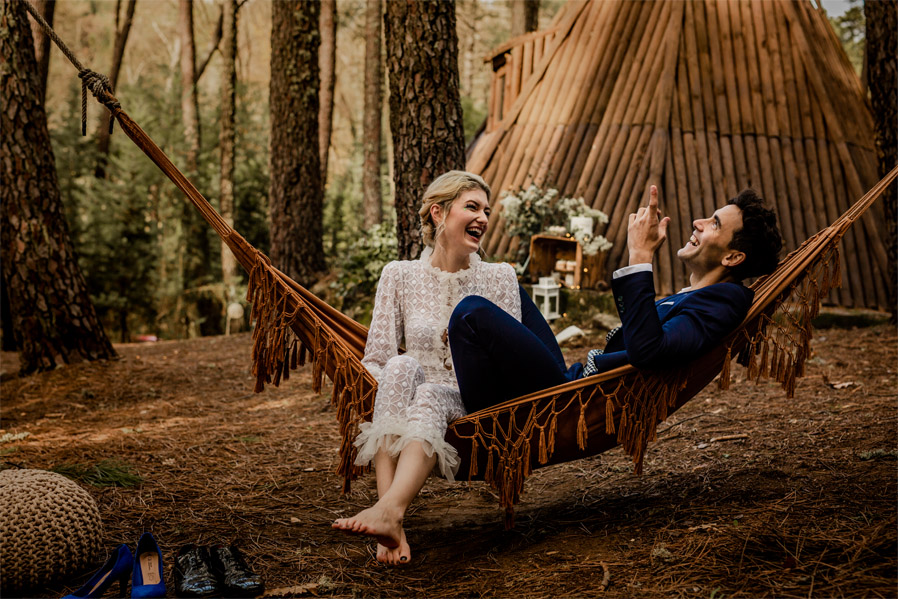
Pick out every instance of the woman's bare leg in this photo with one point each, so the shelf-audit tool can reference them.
(384, 520)
(385, 466)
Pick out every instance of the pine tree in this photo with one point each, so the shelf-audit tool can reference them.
(295, 191)
(54, 319)
(426, 114)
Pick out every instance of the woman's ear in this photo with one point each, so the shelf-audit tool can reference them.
(437, 214)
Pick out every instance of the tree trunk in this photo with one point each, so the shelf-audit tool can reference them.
(45, 8)
(118, 53)
(881, 59)
(190, 111)
(226, 139)
(328, 30)
(54, 319)
(426, 115)
(295, 187)
(374, 76)
(524, 16)
(199, 312)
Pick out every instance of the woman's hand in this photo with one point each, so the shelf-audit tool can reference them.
(646, 232)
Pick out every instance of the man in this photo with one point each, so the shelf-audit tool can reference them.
(497, 358)
(738, 241)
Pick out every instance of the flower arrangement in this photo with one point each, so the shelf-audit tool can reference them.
(535, 210)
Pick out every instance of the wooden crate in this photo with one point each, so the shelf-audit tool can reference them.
(547, 250)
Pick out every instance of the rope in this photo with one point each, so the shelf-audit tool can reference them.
(96, 82)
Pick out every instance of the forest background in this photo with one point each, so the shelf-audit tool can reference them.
(154, 270)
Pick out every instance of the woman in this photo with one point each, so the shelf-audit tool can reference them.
(417, 391)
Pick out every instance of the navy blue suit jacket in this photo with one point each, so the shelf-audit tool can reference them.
(674, 330)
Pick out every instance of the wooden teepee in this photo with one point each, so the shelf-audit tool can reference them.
(700, 98)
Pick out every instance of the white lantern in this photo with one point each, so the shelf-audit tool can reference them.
(546, 297)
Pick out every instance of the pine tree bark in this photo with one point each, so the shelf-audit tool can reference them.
(524, 16)
(118, 54)
(295, 187)
(227, 137)
(881, 59)
(54, 319)
(45, 8)
(426, 114)
(328, 32)
(372, 104)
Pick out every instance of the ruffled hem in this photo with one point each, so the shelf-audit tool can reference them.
(393, 436)
(447, 457)
(377, 435)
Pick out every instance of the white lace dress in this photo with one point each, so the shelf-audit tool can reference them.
(417, 391)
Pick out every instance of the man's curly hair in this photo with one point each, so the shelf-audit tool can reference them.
(759, 237)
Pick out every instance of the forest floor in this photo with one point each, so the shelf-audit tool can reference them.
(800, 501)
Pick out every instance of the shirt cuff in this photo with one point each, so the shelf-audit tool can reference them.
(627, 270)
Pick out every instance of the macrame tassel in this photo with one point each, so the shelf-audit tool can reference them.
(662, 405)
(764, 360)
(836, 275)
(623, 424)
(473, 459)
(301, 359)
(489, 469)
(780, 364)
(725, 375)
(543, 457)
(790, 383)
(551, 434)
(582, 430)
(610, 416)
(751, 362)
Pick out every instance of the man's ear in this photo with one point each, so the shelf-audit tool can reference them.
(437, 214)
(732, 258)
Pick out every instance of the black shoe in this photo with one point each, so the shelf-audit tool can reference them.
(237, 577)
(194, 576)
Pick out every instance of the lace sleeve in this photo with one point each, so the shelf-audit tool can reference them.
(507, 292)
(386, 331)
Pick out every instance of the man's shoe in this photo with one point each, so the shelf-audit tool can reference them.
(237, 577)
(194, 575)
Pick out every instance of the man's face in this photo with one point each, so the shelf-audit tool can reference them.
(707, 247)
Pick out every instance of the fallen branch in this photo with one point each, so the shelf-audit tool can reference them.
(730, 437)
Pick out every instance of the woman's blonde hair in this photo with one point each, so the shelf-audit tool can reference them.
(443, 191)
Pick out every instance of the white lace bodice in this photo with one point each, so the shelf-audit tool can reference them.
(413, 306)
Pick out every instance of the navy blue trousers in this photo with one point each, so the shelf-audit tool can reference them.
(497, 358)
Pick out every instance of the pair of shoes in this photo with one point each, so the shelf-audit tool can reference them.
(219, 570)
(117, 567)
(144, 568)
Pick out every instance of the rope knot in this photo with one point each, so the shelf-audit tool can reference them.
(99, 85)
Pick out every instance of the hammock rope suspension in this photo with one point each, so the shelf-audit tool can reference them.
(505, 442)
(90, 80)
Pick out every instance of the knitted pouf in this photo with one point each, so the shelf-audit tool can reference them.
(49, 528)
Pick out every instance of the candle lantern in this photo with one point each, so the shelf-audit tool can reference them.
(546, 297)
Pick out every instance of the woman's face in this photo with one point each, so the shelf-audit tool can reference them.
(465, 223)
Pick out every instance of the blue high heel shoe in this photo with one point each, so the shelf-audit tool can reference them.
(117, 567)
(147, 577)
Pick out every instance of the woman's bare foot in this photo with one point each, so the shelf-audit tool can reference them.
(384, 524)
(398, 556)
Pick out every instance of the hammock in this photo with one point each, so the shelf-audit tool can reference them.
(504, 443)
